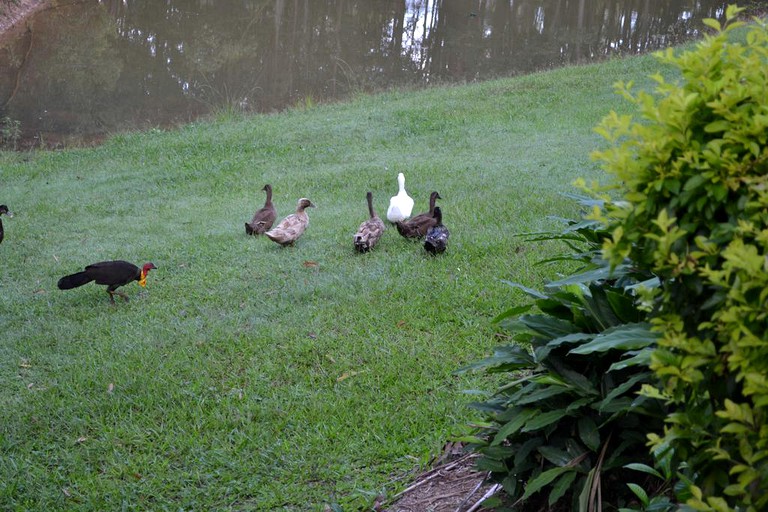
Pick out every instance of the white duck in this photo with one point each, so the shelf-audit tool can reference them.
(401, 205)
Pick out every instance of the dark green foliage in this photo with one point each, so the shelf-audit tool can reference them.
(569, 419)
(695, 171)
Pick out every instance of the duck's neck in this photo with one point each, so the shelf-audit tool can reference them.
(269, 197)
(370, 206)
(401, 182)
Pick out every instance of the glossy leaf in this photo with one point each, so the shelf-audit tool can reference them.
(640, 493)
(621, 389)
(524, 451)
(541, 393)
(589, 433)
(543, 479)
(641, 358)
(543, 419)
(570, 339)
(561, 487)
(645, 469)
(529, 291)
(514, 425)
(548, 326)
(511, 357)
(555, 455)
(623, 337)
(518, 310)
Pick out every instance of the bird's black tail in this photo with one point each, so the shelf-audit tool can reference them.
(74, 280)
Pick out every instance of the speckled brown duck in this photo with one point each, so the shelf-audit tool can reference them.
(264, 217)
(370, 231)
(292, 227)
(417, 227)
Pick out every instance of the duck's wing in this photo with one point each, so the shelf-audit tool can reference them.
(368, 234)
(393, 213)
(291, 227)
(266, 215)
(406, 203)
(417, 226)
(262, 220)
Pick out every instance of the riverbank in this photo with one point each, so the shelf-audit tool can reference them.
(14, 12)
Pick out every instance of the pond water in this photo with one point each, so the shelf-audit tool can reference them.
(82, 69)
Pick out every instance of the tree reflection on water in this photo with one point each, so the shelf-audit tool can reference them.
(89, 68)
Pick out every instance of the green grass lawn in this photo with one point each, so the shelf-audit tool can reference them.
(247, 376)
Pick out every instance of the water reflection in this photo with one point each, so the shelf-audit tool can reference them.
(80, 70)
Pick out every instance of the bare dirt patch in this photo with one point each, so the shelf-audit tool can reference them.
(452, 485)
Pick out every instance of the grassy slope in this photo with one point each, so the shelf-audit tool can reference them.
(218, 386)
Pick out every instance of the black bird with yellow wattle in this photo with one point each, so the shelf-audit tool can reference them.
(114, 274)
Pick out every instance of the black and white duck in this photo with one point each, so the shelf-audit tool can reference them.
(437, 237)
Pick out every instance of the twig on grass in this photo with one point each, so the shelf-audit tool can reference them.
(432, 473)
(466, 499)
(493, 490)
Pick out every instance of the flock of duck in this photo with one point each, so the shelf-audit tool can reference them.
(428, 225)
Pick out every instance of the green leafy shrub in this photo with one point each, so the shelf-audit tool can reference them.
(569, 419)
(695, 172)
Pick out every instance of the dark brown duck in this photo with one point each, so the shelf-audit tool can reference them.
(417, 227)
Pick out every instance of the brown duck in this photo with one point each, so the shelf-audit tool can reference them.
(370, 231)
(417, 227)
(292, 227)
(264, 217)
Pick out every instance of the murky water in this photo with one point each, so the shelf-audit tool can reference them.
(83, 69)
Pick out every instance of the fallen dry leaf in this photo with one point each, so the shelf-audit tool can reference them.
(311, 264)
(66, 492)
(348, 374)
(81, 440)
(110, 388)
